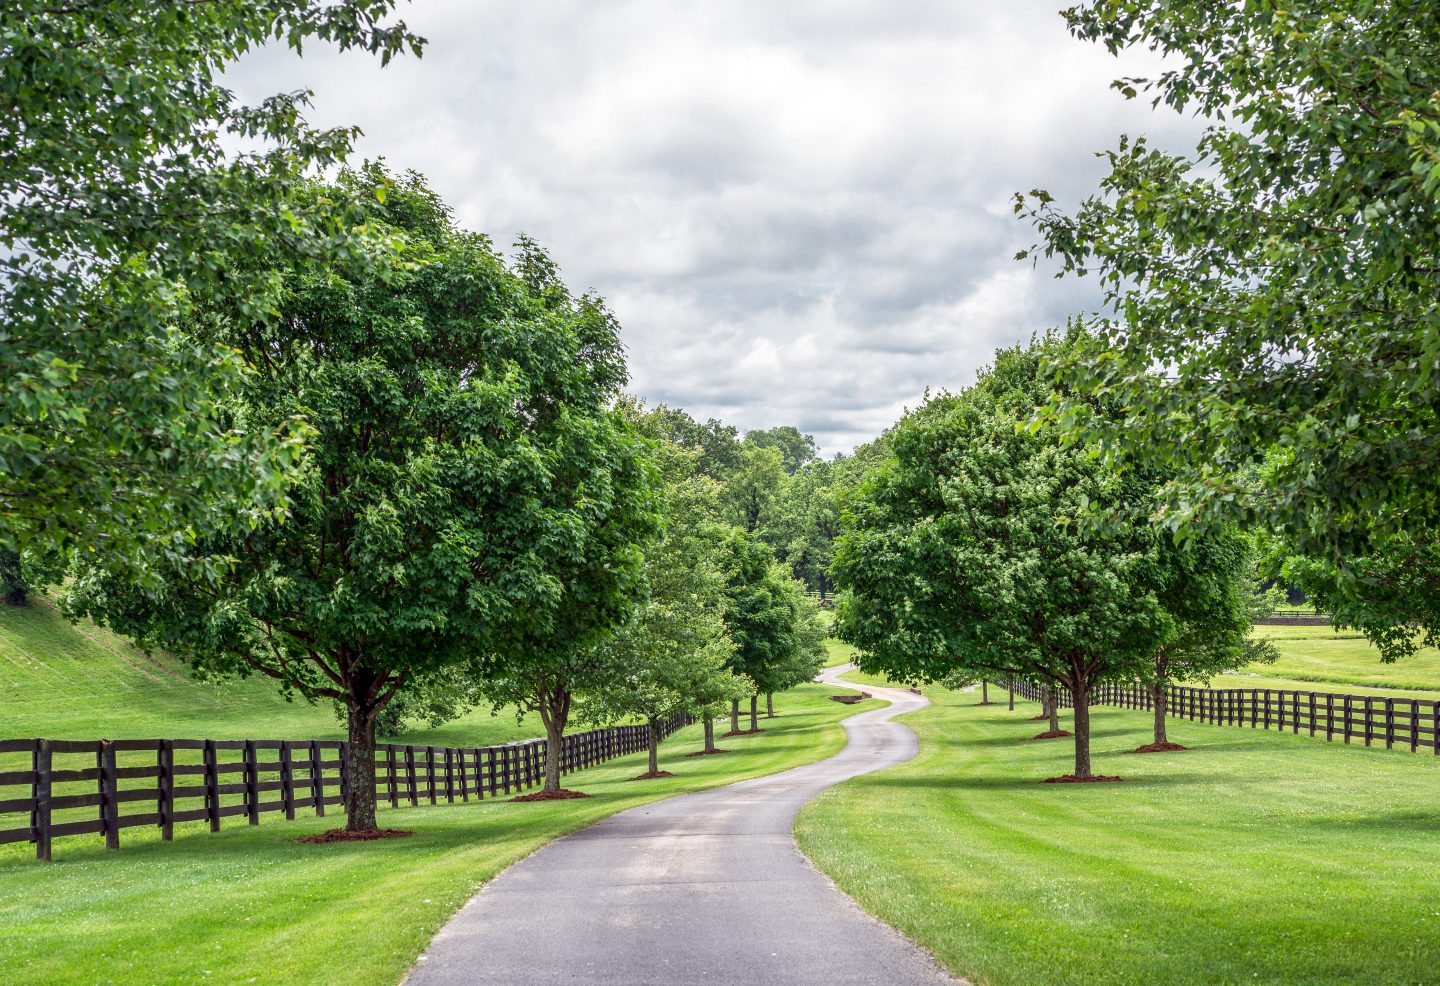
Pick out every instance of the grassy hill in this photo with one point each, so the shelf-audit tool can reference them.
(1323, 659)
(80, 681)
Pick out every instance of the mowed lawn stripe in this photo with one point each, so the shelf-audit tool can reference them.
(1253, 857)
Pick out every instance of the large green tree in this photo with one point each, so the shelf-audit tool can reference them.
(471, 496)
(984, 547)
(126, 205)
(1273, 294)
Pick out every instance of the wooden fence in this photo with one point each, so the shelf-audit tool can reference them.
(83, 787)
(1402, 722)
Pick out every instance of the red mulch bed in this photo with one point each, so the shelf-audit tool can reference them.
(560, 795)
(1159, 748)
(706, 753)
(1055, 734)
(992, 703)
(647, 776)
(742, 732)
(364, 835)
(1039, 718)
(1072, 779)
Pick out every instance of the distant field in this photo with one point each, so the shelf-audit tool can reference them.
(64, 681)
(1323, 659)
(838, 653)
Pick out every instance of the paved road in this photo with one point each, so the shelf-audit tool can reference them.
(699, 888)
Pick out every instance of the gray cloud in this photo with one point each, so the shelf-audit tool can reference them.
(799, 212)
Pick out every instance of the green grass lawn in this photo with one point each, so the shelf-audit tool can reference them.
(1254, 857)
(837, 653)
(252, 905)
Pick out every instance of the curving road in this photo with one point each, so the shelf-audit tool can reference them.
(699, 888)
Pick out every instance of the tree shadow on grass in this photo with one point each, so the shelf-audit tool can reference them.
(1395, 821)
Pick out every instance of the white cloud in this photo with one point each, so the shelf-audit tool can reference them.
(799, 211)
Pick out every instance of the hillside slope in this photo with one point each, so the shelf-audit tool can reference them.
(80, 681)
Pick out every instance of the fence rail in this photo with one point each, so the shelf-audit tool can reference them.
(1396, 722)
(83, 787)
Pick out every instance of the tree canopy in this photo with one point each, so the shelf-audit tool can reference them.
(126, 205)
(1283, 275)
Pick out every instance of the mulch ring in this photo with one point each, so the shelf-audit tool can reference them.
(1042, 717)
(1072, 779)
(560, 795)
(742, 732)
(648, 776)
(706, 753)
(364, 835)
(1159, 748)
(1053, 734)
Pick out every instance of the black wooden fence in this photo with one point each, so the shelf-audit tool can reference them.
(81, 787)
(1402, 722)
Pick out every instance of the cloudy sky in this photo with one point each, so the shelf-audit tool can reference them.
(798, 209)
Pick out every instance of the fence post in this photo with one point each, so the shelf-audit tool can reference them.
(1369, 709)
(212, 784)
(410, 788)
(430, 773)
(165, 804)
(109, 795)
(317, 779)
(1346, 717)
(252, 783)
(1312, 713)
(287, 782)
(1389, 723)
(1414, 725)
(1329, 716)
(43, 762)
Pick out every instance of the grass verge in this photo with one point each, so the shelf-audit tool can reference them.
(1253, 857)
(253, 905)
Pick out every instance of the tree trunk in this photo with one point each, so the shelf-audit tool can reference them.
(754, 713)
(1012, 694)
(1054, 708)
(12, 579)
(555, 714)
(769, 705)
(654, 745)
(1081, 694)
(734, 715)
(709, 722)
(360, 768)
(984, 691)
(1157, 695)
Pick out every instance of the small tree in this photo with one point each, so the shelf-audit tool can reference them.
(766, 616)
(1208, 591)
(470, 494)
(804, 658)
